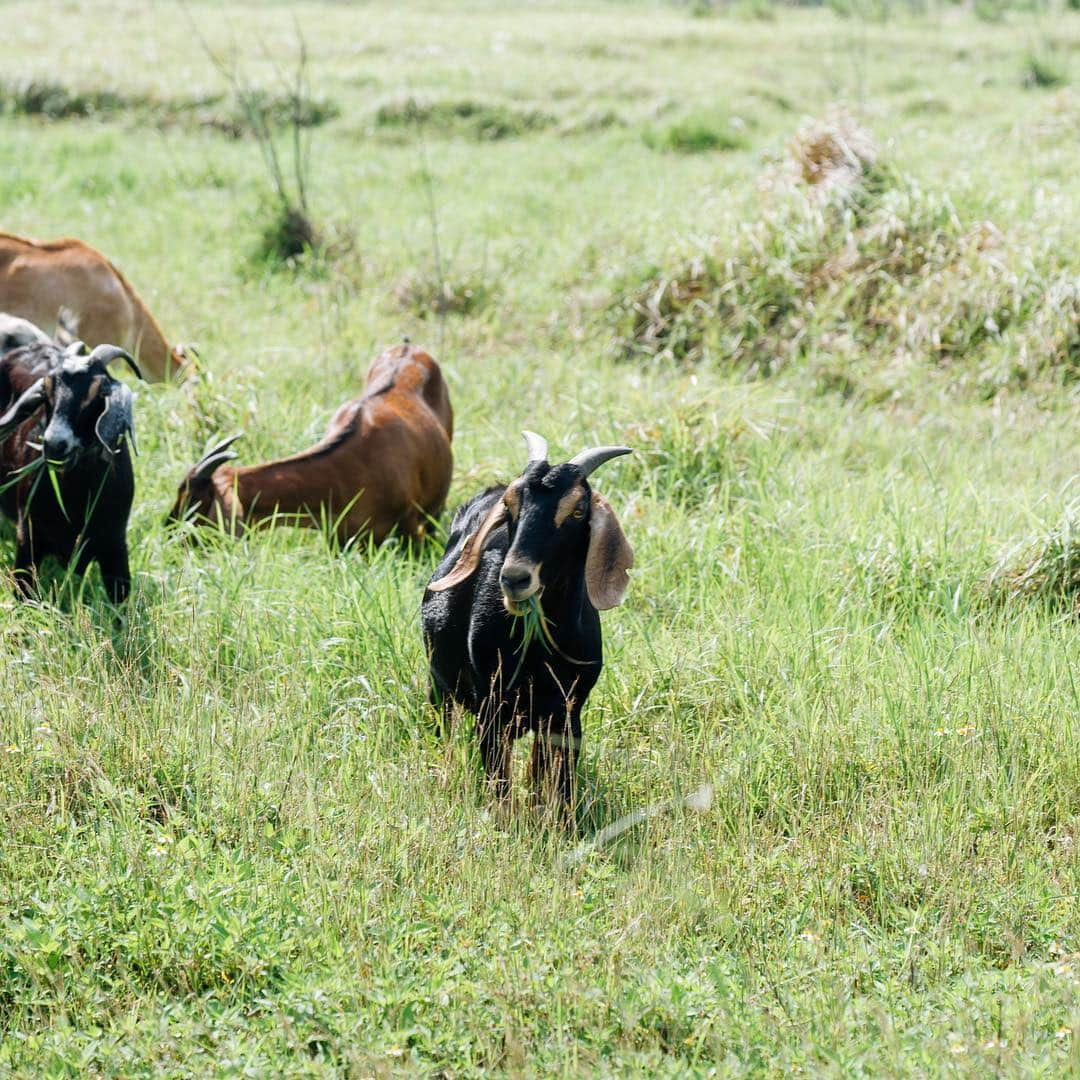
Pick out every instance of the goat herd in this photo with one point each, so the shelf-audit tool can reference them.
(516, 662)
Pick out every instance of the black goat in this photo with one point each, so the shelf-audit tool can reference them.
(64, 412)
(548, 534)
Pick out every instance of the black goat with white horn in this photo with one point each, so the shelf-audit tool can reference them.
(64, 413)
(510, 617)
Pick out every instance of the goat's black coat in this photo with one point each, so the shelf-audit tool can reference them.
(96, 486)
(474, 645)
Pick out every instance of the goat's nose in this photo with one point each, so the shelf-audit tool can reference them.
(515, 579)
(58, 448)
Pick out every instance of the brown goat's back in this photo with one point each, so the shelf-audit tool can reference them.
(405, 427)
(384, 463)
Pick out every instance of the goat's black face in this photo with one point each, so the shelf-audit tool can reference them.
(197, 495)
(194, 499)
(548, 515)
(557, 525)
(85, 408)
(76, 396)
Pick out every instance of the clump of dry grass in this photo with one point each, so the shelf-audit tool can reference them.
(833, 152)
(1045, 567)
(846, 248)
(1050, 341)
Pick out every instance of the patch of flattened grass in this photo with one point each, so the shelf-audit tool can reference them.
(484, 121)
(274, 109)
(53, 100)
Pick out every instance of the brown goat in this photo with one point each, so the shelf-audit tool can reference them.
(38, 280)
(384, 463)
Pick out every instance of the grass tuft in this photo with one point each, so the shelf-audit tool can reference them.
(697, 134)
(834, 151)
(287, 236)
(1044, 71)
(1045, 568)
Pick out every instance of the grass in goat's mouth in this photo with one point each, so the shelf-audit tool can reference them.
(535, 625)
(529, 616)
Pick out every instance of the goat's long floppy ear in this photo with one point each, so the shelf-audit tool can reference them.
(469, 558)
(27, 404)
(106, 354)
(117, 419)
(609, 557)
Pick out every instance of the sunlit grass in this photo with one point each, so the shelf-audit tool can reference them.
(231, 838)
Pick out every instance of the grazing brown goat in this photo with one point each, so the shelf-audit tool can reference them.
(38, 279)
(384, 463)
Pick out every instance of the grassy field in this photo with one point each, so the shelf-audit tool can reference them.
(229, 841)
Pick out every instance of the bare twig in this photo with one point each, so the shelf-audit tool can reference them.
(291, 193)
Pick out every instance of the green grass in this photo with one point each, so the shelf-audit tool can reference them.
(230, 840)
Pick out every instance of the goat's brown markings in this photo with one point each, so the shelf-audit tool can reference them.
(512, 499)
(568, 504)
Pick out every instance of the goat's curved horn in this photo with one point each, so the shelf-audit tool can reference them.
(75, 348)
(588, 461)
(205, 468)
(106, 354)
(215, 456)
(225, 443)
(537, 444)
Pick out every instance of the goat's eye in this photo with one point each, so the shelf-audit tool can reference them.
(579, 513)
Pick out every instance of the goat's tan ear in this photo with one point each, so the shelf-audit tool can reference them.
(609, 557)
(469, 559)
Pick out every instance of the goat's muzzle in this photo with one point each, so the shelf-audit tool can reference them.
(60, 453)
(518, 582)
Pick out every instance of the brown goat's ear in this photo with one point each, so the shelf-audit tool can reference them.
(31, 400)
(469, 559)
(609, 557)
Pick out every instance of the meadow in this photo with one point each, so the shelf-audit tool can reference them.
(231, 843)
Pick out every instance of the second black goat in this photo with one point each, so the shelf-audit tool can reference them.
(63, 412)
(549, 535)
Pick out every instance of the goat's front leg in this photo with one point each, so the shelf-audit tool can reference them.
(115, 572)
(554, 755)
(495, 744)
